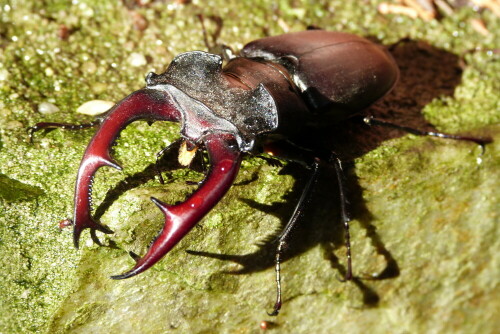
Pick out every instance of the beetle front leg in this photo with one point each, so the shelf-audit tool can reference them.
(160, 154)
(64, 126)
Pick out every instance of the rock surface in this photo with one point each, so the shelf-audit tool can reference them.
(426, 213)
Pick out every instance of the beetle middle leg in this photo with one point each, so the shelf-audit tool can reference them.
(344, 212)
(284, 235)
(299, 208)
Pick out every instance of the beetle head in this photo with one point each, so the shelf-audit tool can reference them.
(213, 114)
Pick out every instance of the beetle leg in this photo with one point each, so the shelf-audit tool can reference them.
(370, 120)
(160, 154)
(65, 126)
(345, 215)
(302, 155)
(273, 162)
(282, 238)
(203, 168)
(225, 159)
(216, 48)
(148, 104)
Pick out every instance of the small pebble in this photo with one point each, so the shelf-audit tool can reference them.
(14, 125)
(47, 108)
(4, 74)
(137, 59)
(49, 72)
(95, 107)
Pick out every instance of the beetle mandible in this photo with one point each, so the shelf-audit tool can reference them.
(260, 101)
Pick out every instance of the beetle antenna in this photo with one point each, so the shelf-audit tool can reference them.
(215, 35)
(216, 48)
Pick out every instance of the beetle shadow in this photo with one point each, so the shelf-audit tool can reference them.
(317, 226)
(426, 73)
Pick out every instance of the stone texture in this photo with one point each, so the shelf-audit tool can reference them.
(426, 213)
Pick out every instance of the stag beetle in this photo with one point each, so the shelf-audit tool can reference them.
(260, 101)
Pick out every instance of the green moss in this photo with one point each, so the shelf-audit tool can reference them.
(12, 190)
(84, 314)
(425, 202)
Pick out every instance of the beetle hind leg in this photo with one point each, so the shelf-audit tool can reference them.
(370, 120)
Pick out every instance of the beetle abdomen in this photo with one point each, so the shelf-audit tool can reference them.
(336, 72)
